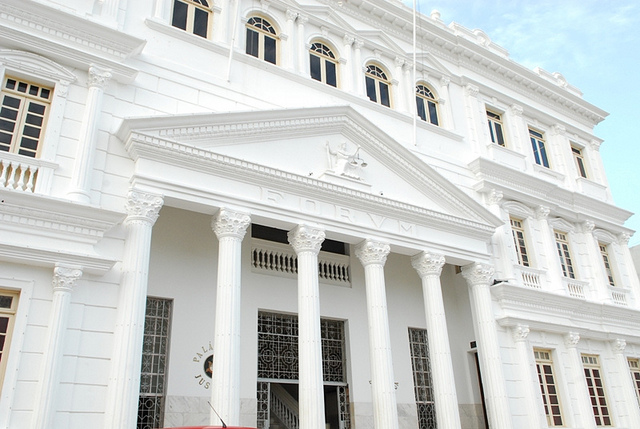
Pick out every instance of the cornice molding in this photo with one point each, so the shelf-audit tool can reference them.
(40, 28)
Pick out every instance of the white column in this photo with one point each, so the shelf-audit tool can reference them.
(83, 166)
(64, 279)
(627, 267)
(401, 93)
(628, 398)
(473, 114)
(124, 383)
(221, 23)
(373, 255)
(288, 50)
(551, 262)
(346, 71)
(502, 241)
(301, 44)
(306, 241)
(160, 10)
(358, 69)
(445, 105)
(594, 269)
(110, 12)
(479, 277)
(410, 88)
(519, 134)
(429, 267)
(535, 412)
(230, 228)
(583, 414)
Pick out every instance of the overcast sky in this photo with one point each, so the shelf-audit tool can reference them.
(595, 45)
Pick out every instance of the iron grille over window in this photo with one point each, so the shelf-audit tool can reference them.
(423, 386)
(157, 327)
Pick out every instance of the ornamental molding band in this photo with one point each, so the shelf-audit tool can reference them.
(428, 264)
(228, 223)
(618, 345)
(572, 339)
(142, 206)
(478, 274)
(520, 332)
(65, 277)
(304, 238)
(372, 252)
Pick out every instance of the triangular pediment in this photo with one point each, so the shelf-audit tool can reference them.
(295, 150)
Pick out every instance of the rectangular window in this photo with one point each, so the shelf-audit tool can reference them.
(607, 264)
(634, 367)
(548, 387)
(193, 16)
(371, 89)
(155, 350)
(423, 386)
(384, 94)
(8, 307)
(495, 128)
(314, 63)
(23, 116)
(579, 159)
(518, 239)
(539, 150)
(270, 49)
(252, 42)
(593, 375)
(564, 254)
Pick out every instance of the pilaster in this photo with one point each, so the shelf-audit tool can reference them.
(535, 410)
(306, 241)
(301, 44)
(583, 414)
(373, 255)
(230, 227)
(628, 395)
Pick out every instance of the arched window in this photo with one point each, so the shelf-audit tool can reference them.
(261, 39)
(323, 64)
(377, 85)
(193, 16)
(427, 104)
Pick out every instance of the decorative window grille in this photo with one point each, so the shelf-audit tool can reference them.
(23, 116)
(8, 307)
(377, 85)
(426, 104)
(517, 231)
(548, 388)
(323, 64)
(564, 254)
(539, 150)
(157, 328)
(261, 39)
(607, 264)
(423, 386)
(597, 393)
(634, 367)
(579, 159)
(495, 128)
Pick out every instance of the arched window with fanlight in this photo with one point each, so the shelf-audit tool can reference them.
(323, 64)
(193, 16)
(377, 84)
(262, 39)
(427, 104)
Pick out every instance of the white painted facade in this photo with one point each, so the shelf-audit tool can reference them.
(161, 148)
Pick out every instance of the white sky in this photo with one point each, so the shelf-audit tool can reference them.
(595, 45)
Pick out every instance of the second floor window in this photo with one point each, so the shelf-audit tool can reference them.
(564, 254)
(634, 367)
(261, 39)
(193, 16)
(23, 115)
(323, 64)
(495, 128)
(426, 104)
(377, 85)
(539, 149)
(607, 264)
(579, 159)
(593, 376)
(518, 239)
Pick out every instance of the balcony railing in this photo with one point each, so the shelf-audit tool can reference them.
(25, 174)
(530, 277)
(575, 288)
(280, 259)
(618, 295)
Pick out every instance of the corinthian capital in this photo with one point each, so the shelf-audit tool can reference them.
(372, 252)
(305, 238)
(478, 274)
(65, 278)
(520, 332)
(227, 223)
(98, 77)
(572, 339)
(142, 206)
(618, 345)
(428, 264)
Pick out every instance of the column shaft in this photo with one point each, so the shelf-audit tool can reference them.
(230, 228)
(373, 256)
(535, 412)
(306, 242)
(124, 382)
(584, 414)
(479, 277)
(629, 398)
(429, 267)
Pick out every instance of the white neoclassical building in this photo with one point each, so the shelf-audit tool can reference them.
(284, 211)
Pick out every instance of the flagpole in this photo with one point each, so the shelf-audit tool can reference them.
(415, 119)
